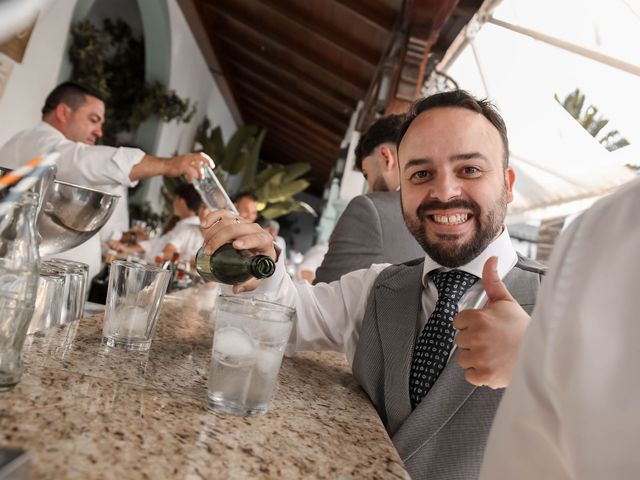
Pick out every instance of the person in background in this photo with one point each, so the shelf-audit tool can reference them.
(185, 237)
(571, 409)
(394, 322)
(72, 119)
(247, 205)
(312, 260)
(371, 229)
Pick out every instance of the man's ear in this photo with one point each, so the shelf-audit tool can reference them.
(509, 179)
(389, 162)
(62, 112)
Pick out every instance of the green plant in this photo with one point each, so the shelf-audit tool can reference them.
(274, 185)
(591, 120)
(111, 59)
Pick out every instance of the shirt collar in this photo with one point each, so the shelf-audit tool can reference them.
(192, 220)
(501, 247)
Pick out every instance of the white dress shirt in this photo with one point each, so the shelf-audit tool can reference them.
(96, 166)
(571, 410)
(185, 236)
(329, 315)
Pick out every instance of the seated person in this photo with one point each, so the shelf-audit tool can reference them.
(185, 238)
(247, 205)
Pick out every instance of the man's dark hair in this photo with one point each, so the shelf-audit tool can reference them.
(241, 195)
(460, 99)
(70, 93)
(383, 130)
(190, 195)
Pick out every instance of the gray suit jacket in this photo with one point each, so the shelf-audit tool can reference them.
(445, 436)
(370, 230)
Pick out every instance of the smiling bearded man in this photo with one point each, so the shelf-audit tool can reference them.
(397, 323)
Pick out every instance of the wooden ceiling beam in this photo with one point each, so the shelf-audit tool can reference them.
(322, 150)
(278, 103)
(304, 107)
(243, 71)
(267, 119)
(230, 10)
(239, 34)
(288, 74)
(335, 37)
(258, 104)
(375, 13)
(300, 151)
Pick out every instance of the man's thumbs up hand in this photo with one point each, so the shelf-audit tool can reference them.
(490, 336)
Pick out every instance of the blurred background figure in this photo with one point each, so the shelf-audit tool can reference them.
(247, 205)
(312, 260)
(184, 238)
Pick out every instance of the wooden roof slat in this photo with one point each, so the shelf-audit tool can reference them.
(287, 74)
(356, 77)
(270, 62)
(331, 35)
(295, 98)
(305, 122)
(263, 117)
(373, 12)
(280, 104)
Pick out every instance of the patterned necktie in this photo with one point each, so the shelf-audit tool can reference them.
(436, 339)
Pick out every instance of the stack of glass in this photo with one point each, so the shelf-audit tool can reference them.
(75, 275)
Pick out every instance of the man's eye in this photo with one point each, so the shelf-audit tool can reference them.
(421, 175)
(470, 170)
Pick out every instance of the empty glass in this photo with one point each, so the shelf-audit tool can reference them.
(248, 344)
(49, 300)
(76, 277)
(133, 303)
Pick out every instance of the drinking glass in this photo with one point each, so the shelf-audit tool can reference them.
(248, 344)
(133, 303)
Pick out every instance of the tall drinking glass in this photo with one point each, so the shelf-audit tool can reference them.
(248, 344)
(133, 303)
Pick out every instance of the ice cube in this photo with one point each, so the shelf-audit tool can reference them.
(232, 345)
(129, 322)
(268, 362)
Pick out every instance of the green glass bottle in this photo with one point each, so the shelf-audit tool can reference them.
(231, 266)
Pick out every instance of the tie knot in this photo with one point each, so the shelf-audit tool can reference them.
(453, 284)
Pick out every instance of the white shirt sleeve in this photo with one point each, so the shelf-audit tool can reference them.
(96, 165)
(571, 410)
(329, 315)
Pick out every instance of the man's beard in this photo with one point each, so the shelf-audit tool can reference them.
(447, 253)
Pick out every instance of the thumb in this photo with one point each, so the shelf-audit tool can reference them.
(493, 285)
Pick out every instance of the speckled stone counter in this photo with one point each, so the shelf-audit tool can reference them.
(83, 410)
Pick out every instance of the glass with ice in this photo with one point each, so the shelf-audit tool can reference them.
(248, 344)
(133, 303)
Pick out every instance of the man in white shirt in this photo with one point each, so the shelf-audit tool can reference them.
(72, 119)
(394, 322)
(571, 410)
(371, 228)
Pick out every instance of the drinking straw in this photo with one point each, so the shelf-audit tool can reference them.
(23, 178)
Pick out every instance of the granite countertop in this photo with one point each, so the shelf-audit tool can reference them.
(83, 410)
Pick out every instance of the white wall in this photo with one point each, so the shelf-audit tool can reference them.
(35, 77)
(189, 77)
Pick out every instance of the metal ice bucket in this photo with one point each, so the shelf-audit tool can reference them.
(69, 214)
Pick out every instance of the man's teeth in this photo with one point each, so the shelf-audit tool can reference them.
(451, 219)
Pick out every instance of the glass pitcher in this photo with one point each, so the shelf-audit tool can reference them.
(19, 265)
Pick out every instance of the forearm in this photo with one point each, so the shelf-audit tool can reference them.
(149, 166)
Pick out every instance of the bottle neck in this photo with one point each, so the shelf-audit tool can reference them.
(262, 266)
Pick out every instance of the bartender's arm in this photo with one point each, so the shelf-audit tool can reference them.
(190, 165)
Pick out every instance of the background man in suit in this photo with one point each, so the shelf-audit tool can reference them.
(371, 229)
(394, 322)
